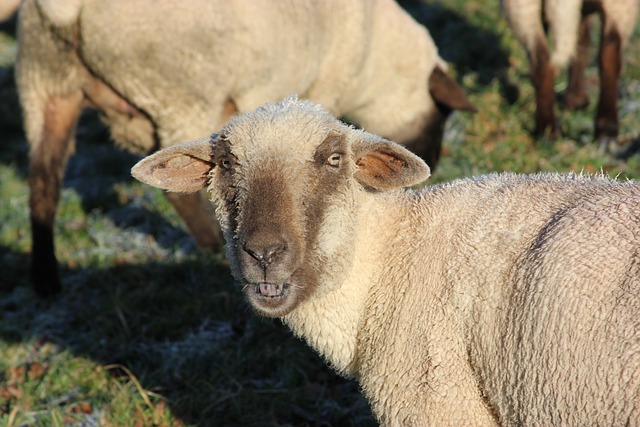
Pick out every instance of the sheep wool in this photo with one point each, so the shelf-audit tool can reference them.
(501, 299)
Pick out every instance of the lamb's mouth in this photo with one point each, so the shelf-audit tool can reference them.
(271, 290)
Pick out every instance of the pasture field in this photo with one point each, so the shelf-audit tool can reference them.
(151, 332)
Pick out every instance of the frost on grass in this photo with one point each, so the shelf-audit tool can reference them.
(125, 234)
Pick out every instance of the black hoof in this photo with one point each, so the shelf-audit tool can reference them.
(45, 278)
(608, 145)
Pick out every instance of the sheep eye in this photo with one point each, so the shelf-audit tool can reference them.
(225, 163)
(334, 160)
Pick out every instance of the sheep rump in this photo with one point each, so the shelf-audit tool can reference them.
(496, 300)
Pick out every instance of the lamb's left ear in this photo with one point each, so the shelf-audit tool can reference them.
(385, 165)
(181, 168)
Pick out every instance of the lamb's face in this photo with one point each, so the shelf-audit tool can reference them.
(286, 181)
(277, 207)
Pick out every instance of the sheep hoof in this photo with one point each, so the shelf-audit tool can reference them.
(549, 131)
(45, 279)
(608, 145)
(576, 101)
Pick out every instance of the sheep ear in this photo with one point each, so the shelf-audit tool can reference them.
(385, 165)
(448, 94)
(182, 168)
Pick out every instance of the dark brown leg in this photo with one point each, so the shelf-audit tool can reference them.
(610, 62)
(576, 96)
(48, 162)
(543, 76)
(198, 213)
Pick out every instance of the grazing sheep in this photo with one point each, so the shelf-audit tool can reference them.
(497, 300)
(162, 71)
(569, 22)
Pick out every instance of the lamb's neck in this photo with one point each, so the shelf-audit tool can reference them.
(330, 323)
(330, 320)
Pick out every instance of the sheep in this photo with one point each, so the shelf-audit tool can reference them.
(569, 22)
(161, 72)
(502, 299)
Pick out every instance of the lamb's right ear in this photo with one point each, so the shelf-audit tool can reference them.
(181, 168)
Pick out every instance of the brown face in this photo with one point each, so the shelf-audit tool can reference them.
(274, 209)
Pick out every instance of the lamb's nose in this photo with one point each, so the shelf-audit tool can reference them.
(267, 255)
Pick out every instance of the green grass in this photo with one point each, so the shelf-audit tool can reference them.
(149, 331)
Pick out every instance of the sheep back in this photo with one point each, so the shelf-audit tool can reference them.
(528, 286)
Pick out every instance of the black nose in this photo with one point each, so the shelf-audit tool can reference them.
(266, 255)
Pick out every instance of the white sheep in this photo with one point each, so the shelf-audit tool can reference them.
(498, 300)
(162, 71)
(569, 24)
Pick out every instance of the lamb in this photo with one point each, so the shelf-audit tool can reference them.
(569, 22)
(502, 299)
(161, 72)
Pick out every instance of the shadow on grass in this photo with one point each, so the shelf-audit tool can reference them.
(14, 268)
(182, 328)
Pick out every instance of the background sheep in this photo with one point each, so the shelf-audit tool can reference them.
(8, 8)
(569, 22)
(502, 299)
(160, 72)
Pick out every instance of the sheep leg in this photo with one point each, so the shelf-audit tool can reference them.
(610, 64)
(48, 161)
(543, 76)
(197, 212)
(576, 97)
(101, 97)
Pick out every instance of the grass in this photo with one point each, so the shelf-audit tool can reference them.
(151, 332)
